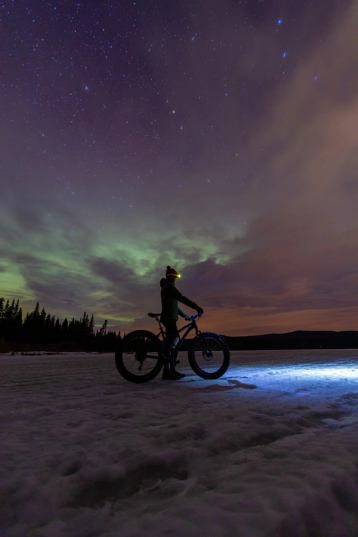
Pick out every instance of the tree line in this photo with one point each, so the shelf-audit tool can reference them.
(39, 327)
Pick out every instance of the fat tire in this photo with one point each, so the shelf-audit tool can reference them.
(221, 346)
(128, 375)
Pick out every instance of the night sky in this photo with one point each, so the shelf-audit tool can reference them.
(216, 136)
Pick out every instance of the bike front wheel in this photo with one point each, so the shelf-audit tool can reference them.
(209, 356)
(139, 356)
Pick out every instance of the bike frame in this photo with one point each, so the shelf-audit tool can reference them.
(187, 327)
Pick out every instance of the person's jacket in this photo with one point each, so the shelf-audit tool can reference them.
(170, 297)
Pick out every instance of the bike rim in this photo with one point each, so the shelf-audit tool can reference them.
(140, 357)
(209, 355)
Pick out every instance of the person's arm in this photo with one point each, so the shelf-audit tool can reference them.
(184, 315)
(184, 300)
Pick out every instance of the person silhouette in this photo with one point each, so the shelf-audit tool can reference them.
(170, 296)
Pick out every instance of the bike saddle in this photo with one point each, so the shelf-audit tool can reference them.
(155, 315)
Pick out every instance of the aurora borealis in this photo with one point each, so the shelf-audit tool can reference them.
(217, 136)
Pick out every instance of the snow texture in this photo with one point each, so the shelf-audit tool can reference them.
(270, 450)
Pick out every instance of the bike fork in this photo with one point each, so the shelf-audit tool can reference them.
(207, 353)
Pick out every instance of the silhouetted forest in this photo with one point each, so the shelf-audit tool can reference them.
(300, 339)
(40, 329)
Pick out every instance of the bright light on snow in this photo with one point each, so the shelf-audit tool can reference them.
(328, 372)
(296, 372)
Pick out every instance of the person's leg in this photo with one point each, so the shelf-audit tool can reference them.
(171, 338)
(172, 335)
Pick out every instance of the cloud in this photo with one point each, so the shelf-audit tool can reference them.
(300, 250)
(284, 246)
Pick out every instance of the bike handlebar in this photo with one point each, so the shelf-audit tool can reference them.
(187, 317)
(193, 317)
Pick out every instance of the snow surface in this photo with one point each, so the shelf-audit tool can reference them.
(269, 450)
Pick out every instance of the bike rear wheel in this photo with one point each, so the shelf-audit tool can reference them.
(139, 356)
(209, 356)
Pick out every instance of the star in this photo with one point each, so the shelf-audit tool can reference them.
(284, 54)
(279, 21)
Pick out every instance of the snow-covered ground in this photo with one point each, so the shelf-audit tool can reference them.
(269, 450)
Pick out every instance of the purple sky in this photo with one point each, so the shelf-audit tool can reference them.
(217, 136)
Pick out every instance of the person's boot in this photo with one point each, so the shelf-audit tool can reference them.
(169, 373)
(176, 375)
(172, 375)
(166, 369)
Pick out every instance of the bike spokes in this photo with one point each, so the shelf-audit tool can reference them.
(209, 356)
(139, 357)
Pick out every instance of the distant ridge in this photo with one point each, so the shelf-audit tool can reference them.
(299, 339)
